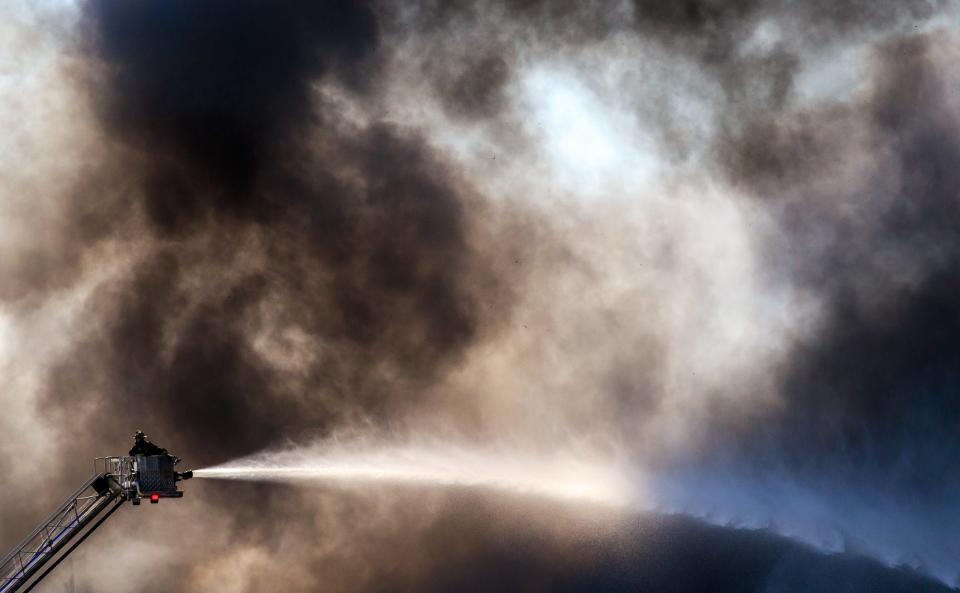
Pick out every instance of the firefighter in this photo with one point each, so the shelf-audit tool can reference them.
(141, 446)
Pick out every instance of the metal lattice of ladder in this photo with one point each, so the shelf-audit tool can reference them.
(73, 516)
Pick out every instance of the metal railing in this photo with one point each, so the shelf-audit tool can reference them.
(121, 470)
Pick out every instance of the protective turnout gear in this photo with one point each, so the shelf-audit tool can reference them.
(141, 446)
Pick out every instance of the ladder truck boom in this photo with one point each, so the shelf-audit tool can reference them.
(147, 473)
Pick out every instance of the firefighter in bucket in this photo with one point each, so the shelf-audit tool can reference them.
(155, 474)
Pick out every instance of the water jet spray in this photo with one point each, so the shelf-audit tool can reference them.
(561, 477)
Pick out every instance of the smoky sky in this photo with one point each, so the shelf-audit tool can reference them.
(280, 230)
(875, 390)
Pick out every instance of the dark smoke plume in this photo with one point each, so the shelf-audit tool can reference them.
(262, 210)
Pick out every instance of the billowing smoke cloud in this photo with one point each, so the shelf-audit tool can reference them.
(280, 250)
(869, 196)
(712, 241)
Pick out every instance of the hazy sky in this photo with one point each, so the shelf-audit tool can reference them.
(712, 244)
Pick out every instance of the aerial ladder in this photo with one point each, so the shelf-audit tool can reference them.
(148, 472)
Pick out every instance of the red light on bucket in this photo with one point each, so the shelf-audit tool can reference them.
(154, 498)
